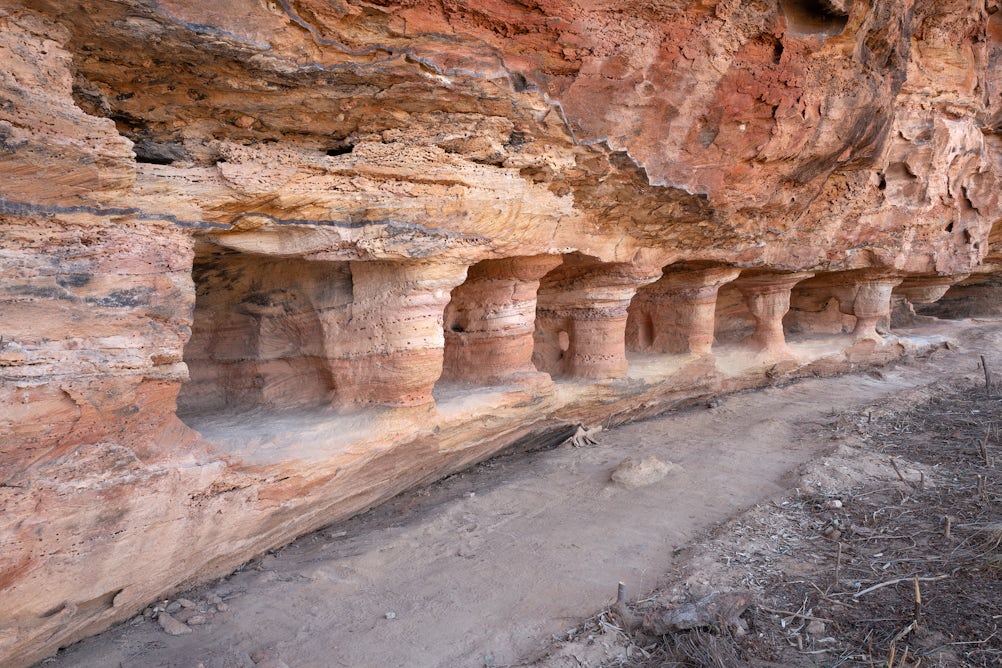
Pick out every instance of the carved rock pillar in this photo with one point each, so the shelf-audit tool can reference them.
(391, 350)
(863, 293)
(871, 303)
(768, 299)
(490, 321)
(676, 314)
(581, 318)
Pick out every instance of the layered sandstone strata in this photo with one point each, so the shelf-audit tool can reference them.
(265, 264)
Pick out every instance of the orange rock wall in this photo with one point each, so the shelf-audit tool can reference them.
(265, 264)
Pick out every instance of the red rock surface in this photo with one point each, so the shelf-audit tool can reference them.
(263, 265)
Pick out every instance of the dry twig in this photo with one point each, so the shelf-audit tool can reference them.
(898, 581)
(902, 477)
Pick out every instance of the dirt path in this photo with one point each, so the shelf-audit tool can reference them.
(484, 567)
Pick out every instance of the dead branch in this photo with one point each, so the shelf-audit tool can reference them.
(988, 377)
(902, 477)
(626, 617)
(584, 436)
(895, 581)
(719, 608)
(786, 613)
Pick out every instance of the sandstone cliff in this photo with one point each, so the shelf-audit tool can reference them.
(268, 262)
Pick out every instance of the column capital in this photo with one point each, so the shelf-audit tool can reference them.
(926, 289)
(755, 282)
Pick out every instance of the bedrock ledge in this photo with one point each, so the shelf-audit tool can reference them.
(269, 477)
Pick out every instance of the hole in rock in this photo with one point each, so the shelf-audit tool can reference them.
(519, 83)
(564, 341)
(53, 611)
(153, 159)
(815, 17)
(264, 332)
(342, 149)
(518, 138)
(902, 185)
(99, 603)
(155, 151)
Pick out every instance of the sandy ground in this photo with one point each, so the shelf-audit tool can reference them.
(484, 568)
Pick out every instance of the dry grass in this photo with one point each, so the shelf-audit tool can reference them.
(895, 564)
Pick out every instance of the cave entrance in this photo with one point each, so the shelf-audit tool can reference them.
(261, 332)
(815, 17)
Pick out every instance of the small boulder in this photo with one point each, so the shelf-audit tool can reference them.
(632, 474)
(172, 626)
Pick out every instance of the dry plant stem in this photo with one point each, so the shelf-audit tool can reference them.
(895, 581)
(787, 613)
(894, 646)
(918, 602)
(947, 523)
(988, 377)
(977, 642)
(902, 477)
(628, 620)
(838, 563)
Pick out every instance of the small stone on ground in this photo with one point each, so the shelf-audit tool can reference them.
(172, 626)
(632, 474)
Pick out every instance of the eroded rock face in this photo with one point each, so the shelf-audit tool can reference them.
(264, 264)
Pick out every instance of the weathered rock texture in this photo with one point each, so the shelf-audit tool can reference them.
(266, 263)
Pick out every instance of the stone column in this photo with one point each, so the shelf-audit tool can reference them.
(768, 299)
(581, 318)
(490, 321)
(680, 308)
(390, 350)
(863, 293)
(872, 302)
